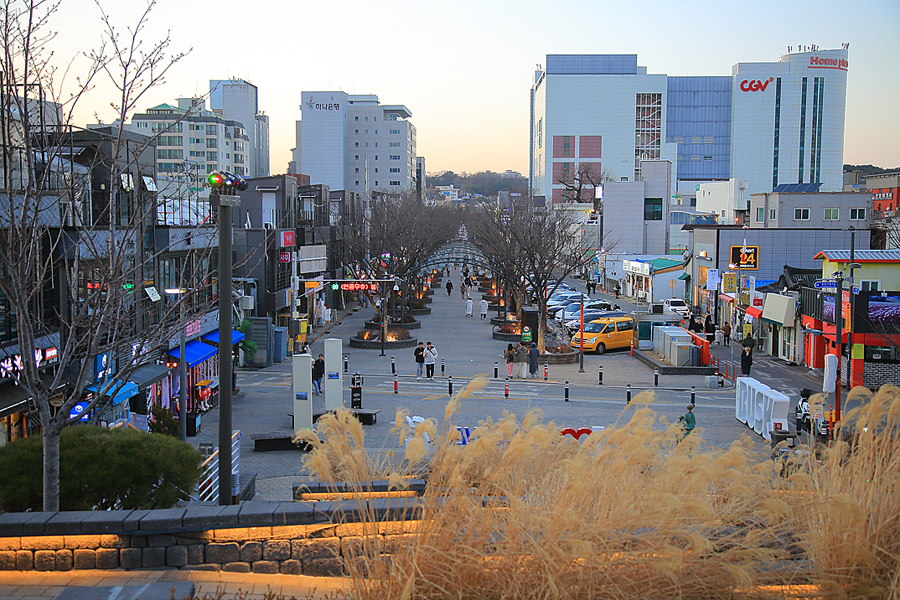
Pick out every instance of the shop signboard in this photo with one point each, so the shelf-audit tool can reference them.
(745, 257)
(729, 283)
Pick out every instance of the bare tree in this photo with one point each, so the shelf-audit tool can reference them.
(74, 217)
(581, 185)
(534, 248)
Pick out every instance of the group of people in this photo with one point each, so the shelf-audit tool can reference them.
(483, 308)
(426, 357)
(521, 360)
(708, 328)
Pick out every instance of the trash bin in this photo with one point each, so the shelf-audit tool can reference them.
(695, 356)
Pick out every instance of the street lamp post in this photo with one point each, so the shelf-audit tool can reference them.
(182, 365)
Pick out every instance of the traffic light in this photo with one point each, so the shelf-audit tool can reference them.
(226, 183)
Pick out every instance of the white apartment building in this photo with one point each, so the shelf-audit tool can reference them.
(238, 100)
(192, 142)
(354, 143)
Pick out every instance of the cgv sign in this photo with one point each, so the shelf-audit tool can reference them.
(755, 85)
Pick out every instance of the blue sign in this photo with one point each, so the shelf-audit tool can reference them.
(826, 283)
(856, 290)
(334, 376)
(302, 396)
(79, 409)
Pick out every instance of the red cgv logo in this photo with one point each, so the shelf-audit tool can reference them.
(755, 85)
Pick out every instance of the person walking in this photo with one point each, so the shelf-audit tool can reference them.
(533, 356)
(746, 362)
(618, 290)
(419, 354)
(510, 356)
(710, 329)
(483, 306)
(318, 372)
(469, 308)
(449, 287)
(430, 358)
(462, 290)
(521, 361)
(726, 334)
(689, 421)
(748, 342)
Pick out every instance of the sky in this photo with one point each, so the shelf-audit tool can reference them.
(464, 68)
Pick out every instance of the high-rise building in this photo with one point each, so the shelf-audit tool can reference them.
(768, 123)
(354, 143)
(238, 100)
(193, 142)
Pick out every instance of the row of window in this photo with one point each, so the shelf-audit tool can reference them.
(707, 139)
(394, 183)
(802, 214)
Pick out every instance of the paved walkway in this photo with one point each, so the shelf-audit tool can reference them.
(32, 585)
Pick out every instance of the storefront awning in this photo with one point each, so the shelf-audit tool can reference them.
(726, 298)
(754, 312)
(684, 276)
(147, 375)
(14, 398)
(126, 391)
(779, 309)
(213, 337)
(195, 352)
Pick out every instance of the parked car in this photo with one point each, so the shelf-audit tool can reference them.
(553, 309)
(566, 298)
(572, 310)
(573, 325)
(677, 305)
(605, 334)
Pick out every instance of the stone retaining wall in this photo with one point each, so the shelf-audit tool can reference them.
(308, 538)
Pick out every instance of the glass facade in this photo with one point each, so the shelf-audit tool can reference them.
(698, 120)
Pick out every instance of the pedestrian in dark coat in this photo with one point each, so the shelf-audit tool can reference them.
(726, 333)
(533, 356)
(318, 372)
(449, 287)
(746, 362)
(710, 329)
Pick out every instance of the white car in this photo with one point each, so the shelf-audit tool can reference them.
(677, 305)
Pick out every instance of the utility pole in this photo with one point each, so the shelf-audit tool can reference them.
(839, 334)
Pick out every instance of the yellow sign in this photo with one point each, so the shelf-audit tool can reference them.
(729, 283)
(312, 284)
(858, 351)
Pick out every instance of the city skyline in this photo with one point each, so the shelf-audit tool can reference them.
(474, 117)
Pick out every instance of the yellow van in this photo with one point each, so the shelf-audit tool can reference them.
(605, 334)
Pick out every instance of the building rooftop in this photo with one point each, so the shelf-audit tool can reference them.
(862, 256)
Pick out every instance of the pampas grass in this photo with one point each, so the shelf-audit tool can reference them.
(634, 511)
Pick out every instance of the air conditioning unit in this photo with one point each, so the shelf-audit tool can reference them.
(247, 302)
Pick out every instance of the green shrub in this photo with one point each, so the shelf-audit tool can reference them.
(162, 420)
(101, 469)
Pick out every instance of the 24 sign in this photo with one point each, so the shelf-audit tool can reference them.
(745, 257)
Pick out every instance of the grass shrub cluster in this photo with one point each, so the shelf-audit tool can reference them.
(101, 469)
(634, 511)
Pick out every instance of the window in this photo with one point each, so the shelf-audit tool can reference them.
(356, 170)
(367, 118)
(832, 214)
(211, 142)
(760, 214)
(210, 130)
(356, 157)
(623, 326)
(870, 285)
(395, 183)
(356, 144)
(857, 214)
(367, 144)
(395, 157)
(376, 169)
(653, 209)
(356, 131)
(707, 157)
(801, 214)
(395, 169)
(771, 214)
(376, 157)
(356, 119)
(395, 144)
(395, 131)
(376, 184)
(211, 156)
(356, 183)
(367, 132)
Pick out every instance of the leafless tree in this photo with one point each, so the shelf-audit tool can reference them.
(534, 249)
(581, 185)
(75, 260)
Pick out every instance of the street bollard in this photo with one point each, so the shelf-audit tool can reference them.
(628, 393)
(656, 376)
(442, 367)
(601, 374)
(450, 385)
(567, 391)
(631, 352)
(396, 385)
(346, 363)
(546, 370)
(496, 370)
(393, 366)
(506, 389)
(693, 396)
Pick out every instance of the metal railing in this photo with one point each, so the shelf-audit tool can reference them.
(208, 486)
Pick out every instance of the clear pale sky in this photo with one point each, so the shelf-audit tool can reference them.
(464, 68)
